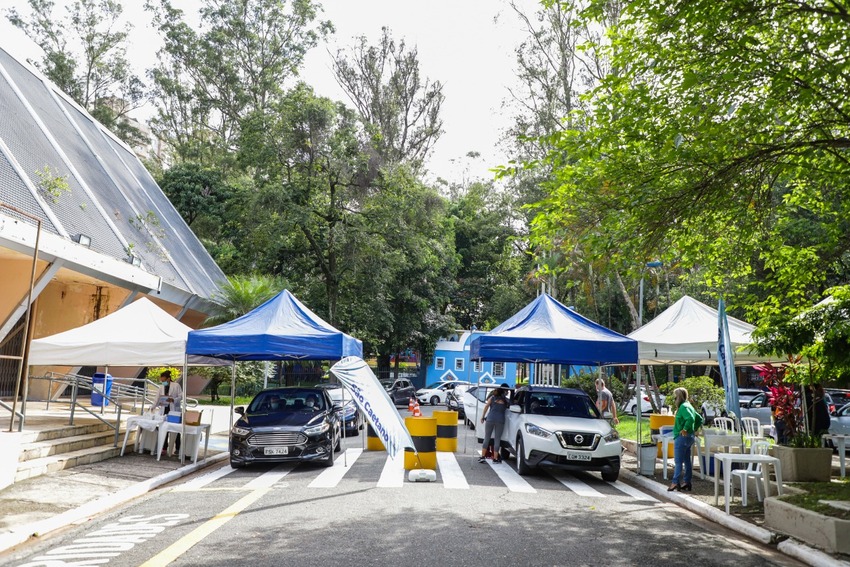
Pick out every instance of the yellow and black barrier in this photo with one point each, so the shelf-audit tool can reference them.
(373, 442)
(446, 430)
(423, 430)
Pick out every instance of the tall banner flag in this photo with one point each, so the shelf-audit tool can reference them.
(374, 402)
(726, 361)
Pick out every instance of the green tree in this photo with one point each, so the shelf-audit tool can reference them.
(85, 55)
(718, 141)
(200, 196)
(236, 64)
(400, 109)
(241, 294)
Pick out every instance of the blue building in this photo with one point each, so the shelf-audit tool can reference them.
(451, 362)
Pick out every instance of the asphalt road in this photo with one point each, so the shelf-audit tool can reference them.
(367, 514)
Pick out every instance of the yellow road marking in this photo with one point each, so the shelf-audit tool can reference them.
(182, 545)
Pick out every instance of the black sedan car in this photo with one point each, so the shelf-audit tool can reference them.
(286, 424)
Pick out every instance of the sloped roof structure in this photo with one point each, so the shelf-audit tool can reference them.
(138, 238)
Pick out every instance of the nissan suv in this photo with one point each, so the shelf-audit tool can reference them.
(559, 427)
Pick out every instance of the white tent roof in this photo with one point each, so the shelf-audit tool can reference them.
(140, 334)
(686, 333)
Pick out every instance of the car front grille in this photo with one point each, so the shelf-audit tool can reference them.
(276, 439)
(578, 439)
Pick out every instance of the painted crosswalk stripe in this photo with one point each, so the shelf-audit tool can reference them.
(392, 476)
(450, 471)
(202, 481)
(511, 479)
(331, 477)
(268, 479)
(633, 492)
(576, 485)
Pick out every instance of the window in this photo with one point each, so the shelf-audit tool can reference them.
(499, 369)
(459, 364)
(477, 365)
(440, 363)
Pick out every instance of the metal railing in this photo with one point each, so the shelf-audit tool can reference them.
(120, 392)
(17, 414)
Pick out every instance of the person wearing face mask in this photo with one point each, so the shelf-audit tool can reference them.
(169, 396)
(312, 402)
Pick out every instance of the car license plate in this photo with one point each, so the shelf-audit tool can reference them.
(578, 456)
(276, 451)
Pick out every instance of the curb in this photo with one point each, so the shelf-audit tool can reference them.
(91, 509)
(789, 547)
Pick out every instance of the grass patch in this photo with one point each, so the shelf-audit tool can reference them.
(627, 428)
(817, 491)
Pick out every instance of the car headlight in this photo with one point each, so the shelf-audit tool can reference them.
(317, 429)
(241, 431)
(538, 431)
(613, 436)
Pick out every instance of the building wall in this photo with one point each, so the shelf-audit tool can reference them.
(451, 351)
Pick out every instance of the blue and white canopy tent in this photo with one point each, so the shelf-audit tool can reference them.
(547, 332)
(282, 328)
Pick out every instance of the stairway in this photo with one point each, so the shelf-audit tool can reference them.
(56, 448)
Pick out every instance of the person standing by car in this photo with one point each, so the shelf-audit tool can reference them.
(605, 402)
(493, 416)
(688, 420)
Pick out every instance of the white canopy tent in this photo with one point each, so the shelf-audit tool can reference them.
(686, 333)
(140, 334)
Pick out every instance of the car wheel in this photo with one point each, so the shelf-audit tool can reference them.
(610, 474)
(236, 464)
(634, 410)
(522, 466)
(435, 400)
(338, 446)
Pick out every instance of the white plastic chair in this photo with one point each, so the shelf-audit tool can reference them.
(727, 424)
(752, 429)
(753, 470)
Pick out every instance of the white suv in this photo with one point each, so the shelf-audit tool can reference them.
(560, 427)
(435, 394)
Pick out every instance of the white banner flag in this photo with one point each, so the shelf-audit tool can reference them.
(374, 402)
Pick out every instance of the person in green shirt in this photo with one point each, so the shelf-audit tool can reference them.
(688, 420)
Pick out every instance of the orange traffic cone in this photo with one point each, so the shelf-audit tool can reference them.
(416, 412)
(410, 405)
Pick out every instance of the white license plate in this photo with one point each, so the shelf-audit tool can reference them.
(276, 451)
(578, 456)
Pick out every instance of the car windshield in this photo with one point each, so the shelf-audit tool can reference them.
(434, 385)
(561, 404)
(337, 394)
(287, 401)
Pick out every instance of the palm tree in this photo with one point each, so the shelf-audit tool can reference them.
(241, 294)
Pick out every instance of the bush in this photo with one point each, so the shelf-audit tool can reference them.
(700, 389)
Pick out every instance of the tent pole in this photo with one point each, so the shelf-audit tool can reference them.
(639, 414)
(232, 391)
(183, 413)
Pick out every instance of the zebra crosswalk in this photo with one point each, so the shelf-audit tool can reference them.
(389, 473)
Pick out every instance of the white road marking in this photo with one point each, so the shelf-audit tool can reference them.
(392, 476)
(331, 477)
(267, 480)
(512, 480)
(575, 485)
(450, 471)
(202, 481)
(633, 492)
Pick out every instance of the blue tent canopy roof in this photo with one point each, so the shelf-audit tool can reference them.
(546, 331)
(282, 328)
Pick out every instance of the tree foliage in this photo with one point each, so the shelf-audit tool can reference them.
(718, 141)
(85, 55)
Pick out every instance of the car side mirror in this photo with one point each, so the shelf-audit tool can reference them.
(515, 408)
(337, 406)
(240, 410)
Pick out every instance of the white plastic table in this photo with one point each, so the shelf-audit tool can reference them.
(193, 432)
(713, 439)
(841, 443)
(144, 424)
(746, 458)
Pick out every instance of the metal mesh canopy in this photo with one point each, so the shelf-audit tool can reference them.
(112, 199)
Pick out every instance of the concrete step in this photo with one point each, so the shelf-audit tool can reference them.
(63, 431)
(59, 445)
(54, 463)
